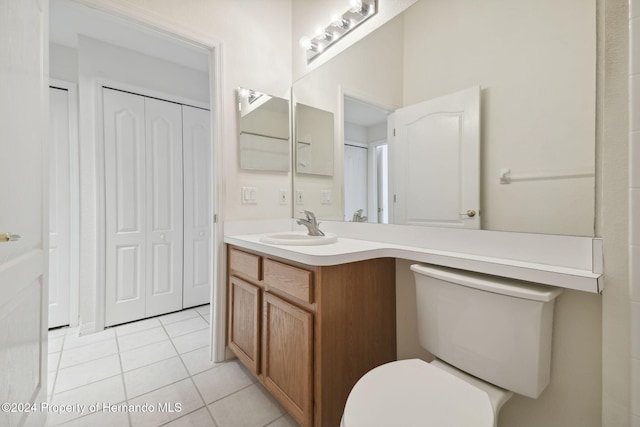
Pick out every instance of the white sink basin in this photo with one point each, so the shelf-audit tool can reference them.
(298, 239)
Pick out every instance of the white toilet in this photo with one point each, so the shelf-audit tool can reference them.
(496, 330)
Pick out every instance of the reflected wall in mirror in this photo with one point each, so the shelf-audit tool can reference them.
(314, 140)
(535, 63)
(263, 131)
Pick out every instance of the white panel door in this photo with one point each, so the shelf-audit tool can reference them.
(164, 206)
(126, 210)
(356, 188)
(24, 105)
(435, 158)
(59, 208)
(198, 258)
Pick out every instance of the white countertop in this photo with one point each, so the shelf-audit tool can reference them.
(347, 250)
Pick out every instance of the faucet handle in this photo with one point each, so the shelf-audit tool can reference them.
(310, 215)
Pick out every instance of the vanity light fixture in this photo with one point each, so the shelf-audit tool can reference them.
(249, 94)
(339, 26)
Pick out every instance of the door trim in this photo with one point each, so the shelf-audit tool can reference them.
(74, 198)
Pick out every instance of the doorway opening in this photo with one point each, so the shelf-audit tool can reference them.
(92, 47)
(366, 166)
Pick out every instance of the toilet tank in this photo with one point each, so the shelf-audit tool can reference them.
(494, 328)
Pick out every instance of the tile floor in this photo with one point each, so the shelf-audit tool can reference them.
(154, 372)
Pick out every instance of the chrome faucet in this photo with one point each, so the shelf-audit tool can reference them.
(311, 223)
(357, 216)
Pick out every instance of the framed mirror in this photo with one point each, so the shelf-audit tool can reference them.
(536, 67)
(263, 131)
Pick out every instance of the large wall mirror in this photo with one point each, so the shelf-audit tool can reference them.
(534, 65)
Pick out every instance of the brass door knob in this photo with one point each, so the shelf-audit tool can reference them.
(470, 213)
(8, 237)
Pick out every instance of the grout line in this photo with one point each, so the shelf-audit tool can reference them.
(55, 377)
(116, 336)
(124, 386)
(191, 378)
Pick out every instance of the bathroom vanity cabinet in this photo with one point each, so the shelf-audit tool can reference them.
(309, 333)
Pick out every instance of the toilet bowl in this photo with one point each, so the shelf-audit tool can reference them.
(494, 334)
(414, 393)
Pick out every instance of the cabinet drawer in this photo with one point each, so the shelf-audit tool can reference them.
(291, 280)
(244, 264)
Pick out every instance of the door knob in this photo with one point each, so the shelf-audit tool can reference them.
(8, 237)
(470, 213)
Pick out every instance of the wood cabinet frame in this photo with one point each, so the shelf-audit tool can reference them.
(344, 318)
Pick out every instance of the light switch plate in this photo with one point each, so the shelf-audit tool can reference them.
(249, 195)
(299, 197)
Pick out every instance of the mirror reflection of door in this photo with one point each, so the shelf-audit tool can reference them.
(365, 162)
(435, 161)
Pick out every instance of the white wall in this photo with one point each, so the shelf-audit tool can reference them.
(634, 200)
(612, 213)
(63, 63)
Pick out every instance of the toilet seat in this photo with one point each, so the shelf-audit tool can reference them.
(414, 393)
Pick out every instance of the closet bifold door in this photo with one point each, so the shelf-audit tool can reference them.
(143, 183)
(125, 205)
(196, 148)
(163, 121)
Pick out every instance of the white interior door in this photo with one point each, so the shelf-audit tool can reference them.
(126, 210)
(163, 121)
(23, 263)
(59, 208)
(435, 157)
(355, 180)
(197, 206)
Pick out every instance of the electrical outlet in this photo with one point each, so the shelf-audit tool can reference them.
(282, 197)
(299, 197)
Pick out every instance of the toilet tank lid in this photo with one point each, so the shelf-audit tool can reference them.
(485, 282)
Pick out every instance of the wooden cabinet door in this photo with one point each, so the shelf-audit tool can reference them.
(287, 334)
(244, 322)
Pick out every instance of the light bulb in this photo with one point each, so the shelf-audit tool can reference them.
(244, 92)
(339, 22)
(305, 42)
(323, 34)
(356, 5)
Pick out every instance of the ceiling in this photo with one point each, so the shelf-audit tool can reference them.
(68, 19)
(363, 114)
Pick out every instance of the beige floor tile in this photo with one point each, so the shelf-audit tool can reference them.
(251, 406)
(192, 341)
(181, 398)
(178, 316)
(109, 391)
(85, 353)
(86, 373)
(199, 418)
(198, 360)
(222, 381)
(141, 338)
(148, 378)
(147, 355)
